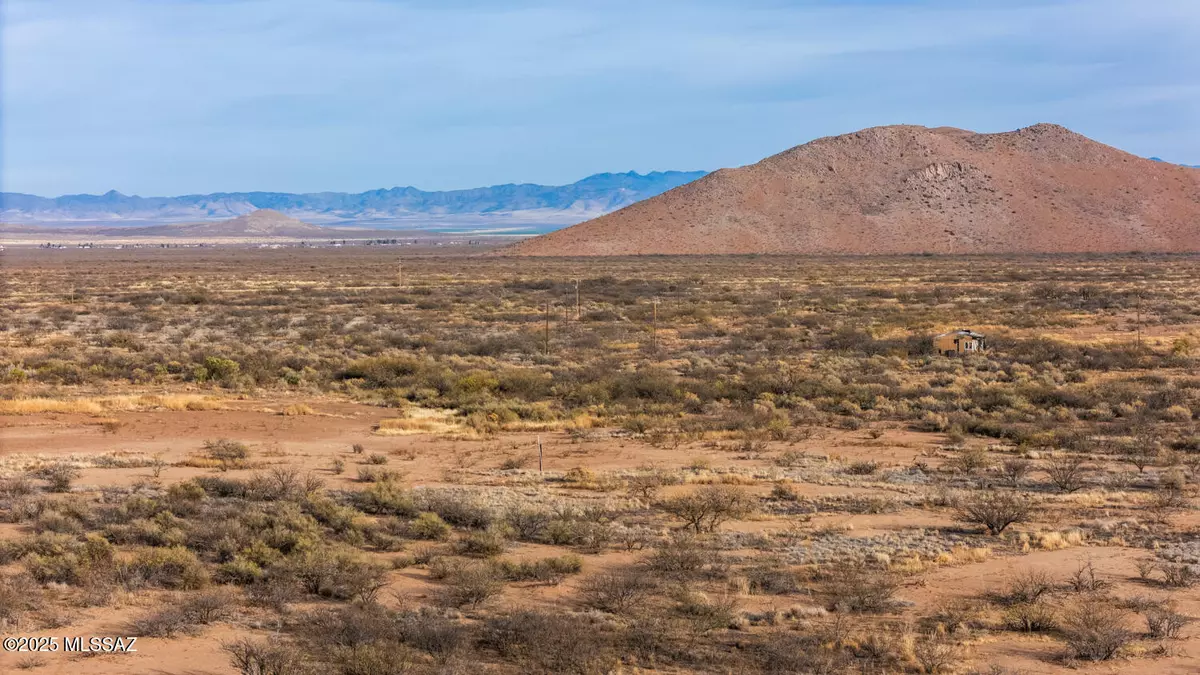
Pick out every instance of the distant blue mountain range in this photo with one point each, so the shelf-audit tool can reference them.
(1159, 159)
(524, 203)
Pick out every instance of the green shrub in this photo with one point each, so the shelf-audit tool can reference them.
(175, 567)
(428, 525)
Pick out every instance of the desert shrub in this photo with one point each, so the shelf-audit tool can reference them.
(481, 544)
(1015, 469)
(470, 584)
(1165, 622)
(239, 571)
(432, 632)
(546, 570)
(166, 622)
(456, 508)
(228, 453)
(553, 643)
(1068, 472)
(1030, 617)
(60, 559)
(218, 368)
(15, 486)
(995, 509)
(704, 509)
(386, 498)
(862, 468)
(529, 523)
(1085, 579)
(428, 525)
(275, 592)
(785, 653)
(377, 459)
(59, 476)
(771, 580)
(972, 460)
(647, 485)
(19, 595)
(516, 462)
(857, 588)
(681, 556)
(1095, 630)
(936, 652)
(262, 657)
(375, 474)
(175, 567)
(1027, 586)
(216, 486)
(619, 592)
(209, 605)
(282, 483)
(703, 614)
(345, 521)
(1178, 575)
(333, 572)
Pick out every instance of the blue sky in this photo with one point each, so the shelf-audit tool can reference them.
(164, 97)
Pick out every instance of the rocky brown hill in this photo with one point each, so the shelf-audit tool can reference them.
(260, 223)
(911, 189)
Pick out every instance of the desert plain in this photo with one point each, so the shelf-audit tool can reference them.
(368, 461)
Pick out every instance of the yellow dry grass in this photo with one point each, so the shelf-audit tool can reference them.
(298, 409)
(102, 405)
(402, 426)
(1053, 541)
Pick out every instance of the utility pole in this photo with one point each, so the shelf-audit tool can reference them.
(400, 274)
(1139, 321)
(539, 453)
(577, 301)
(547, 336)
(654, 329)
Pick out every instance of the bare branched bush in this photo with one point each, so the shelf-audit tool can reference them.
(1029, 585)
(704, 509)
(1068, 472)
(59, 476)
(619, 592)
(1015, 470)
(1095, 630)
(1165, 622)
(262, 657)
(936, 653)
(995, 509)
(858, 588)
(1086, 579)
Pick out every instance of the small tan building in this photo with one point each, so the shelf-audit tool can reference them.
(961, 341)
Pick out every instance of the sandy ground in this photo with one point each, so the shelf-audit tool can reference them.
(312, 441)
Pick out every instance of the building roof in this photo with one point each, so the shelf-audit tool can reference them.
(962, 331)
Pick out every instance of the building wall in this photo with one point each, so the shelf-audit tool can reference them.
(946, 343)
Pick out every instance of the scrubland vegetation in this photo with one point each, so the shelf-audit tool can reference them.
(760, 465)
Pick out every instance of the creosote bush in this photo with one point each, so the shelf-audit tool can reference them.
(995, 509)
(705, 508)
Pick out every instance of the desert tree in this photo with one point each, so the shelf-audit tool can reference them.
(704, 509)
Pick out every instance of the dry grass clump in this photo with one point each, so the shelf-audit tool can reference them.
(101, 405)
